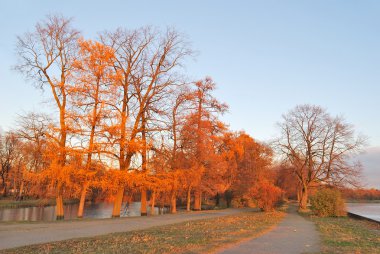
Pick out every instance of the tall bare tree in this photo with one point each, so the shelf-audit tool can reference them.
(319, 148)
(146, 63)
(93, 75)
(181, 107)
(46, 57)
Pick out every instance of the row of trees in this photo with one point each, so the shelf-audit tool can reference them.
(361, 194)
(127, 122)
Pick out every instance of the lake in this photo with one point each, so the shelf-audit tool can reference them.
(47, 213)
(368, 210)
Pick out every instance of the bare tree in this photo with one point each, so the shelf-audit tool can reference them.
(46, 57)
(319, 147)
(181, 106)
(145, 64)
(32, 131)
(9, 153)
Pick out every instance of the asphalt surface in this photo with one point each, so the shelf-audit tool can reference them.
(294, 235)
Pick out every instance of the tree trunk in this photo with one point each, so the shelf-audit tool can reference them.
(82, 200)
(304, 198)
(162, 207)
(4, 191)
(144, 161)
(117, 203)
(197, 200)
(173, 202)
(20, 194)
(152, 202)
(188, 203)
(62, 156)
(59, 207)
(298, 195)
(143, 203)
(217, 199)
(228, 195)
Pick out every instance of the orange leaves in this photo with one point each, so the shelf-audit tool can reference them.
(114, 179)
(135, 145)
(361, 194)
(266, 194)
(200, 140)
(84, 175)
(95, 58)
(44, 182)
(123, 124)
(248, 160)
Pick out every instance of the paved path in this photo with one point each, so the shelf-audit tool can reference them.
(294, 235)
(21, 234)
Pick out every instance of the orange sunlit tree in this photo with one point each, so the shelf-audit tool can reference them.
(129, 125)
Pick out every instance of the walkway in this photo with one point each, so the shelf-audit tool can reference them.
(294, 235)
(22, 234)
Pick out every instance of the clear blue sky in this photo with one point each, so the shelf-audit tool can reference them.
(265, 56)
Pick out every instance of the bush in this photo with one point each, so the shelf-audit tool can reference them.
(267, 195)
(245, 201)
(328, 203)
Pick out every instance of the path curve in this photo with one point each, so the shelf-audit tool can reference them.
(22, 234)
(294, 235)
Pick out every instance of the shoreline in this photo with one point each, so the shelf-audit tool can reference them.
(361, 217)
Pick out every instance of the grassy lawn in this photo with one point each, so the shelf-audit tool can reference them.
(374, 201)
(10, 203)
(202, 236)
(347, 235)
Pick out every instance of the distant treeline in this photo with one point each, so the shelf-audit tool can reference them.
(361, 194)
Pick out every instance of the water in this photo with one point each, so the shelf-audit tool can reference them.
(99, 210)
(368, 210)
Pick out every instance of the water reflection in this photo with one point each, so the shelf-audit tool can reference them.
(98, 210)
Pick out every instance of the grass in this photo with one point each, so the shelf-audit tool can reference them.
(7, 203)
(10, 203)
(347, 235)
(371, 201)
(202, 236)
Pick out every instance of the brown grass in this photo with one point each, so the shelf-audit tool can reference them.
(203, 236)
(347, 235)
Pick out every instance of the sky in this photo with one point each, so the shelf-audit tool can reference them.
(266, 57)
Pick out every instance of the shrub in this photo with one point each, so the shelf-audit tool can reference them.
(237, 203)
(267, 195)
(245, 201)
(328, 203)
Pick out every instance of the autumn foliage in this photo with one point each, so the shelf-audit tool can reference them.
(128, 126)
(360, 193)
(267, 195)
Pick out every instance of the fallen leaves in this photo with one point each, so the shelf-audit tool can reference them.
(187, 237)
